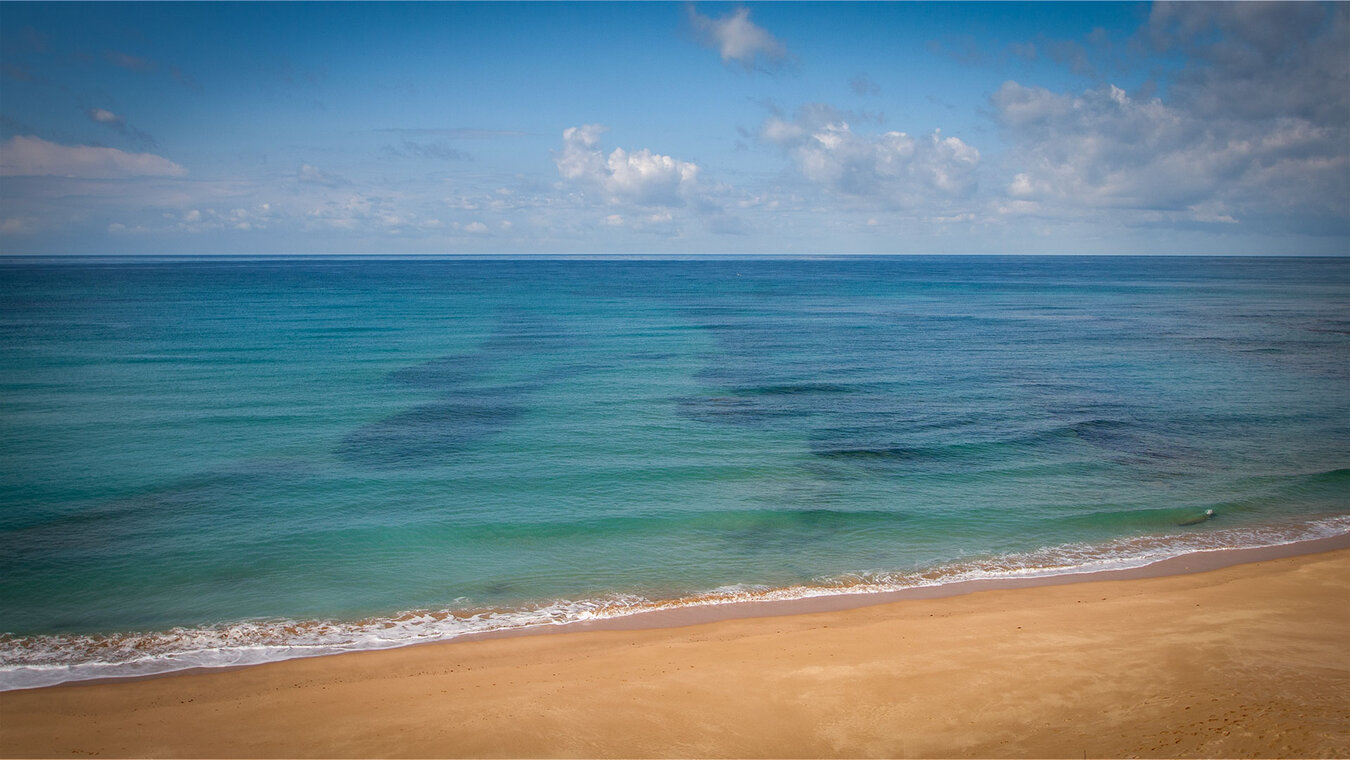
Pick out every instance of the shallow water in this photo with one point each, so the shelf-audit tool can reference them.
(219, 461)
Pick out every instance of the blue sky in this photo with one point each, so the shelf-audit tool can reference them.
(674, 128)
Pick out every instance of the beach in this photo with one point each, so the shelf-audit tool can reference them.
(214, 463)
(773, 380)
(1248, 660)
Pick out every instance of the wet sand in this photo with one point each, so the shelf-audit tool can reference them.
(1245, 660)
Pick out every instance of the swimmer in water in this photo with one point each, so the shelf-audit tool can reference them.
(1197, 520)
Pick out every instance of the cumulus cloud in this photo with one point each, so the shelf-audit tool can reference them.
(640, 177)
(1104, 149)
(894, 167)
(1254, 128)
(739, 39)
(637, 190)
(239, 219)
(32, 156)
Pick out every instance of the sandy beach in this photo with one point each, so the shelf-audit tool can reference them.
(1247, 660)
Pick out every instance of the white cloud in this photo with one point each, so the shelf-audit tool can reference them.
(1103, 149)
(197, 221)
(313, 175)
(737, 38)
(649, 178)
(118, 228)
(138, 220)
(635, 190)
(640, 177)
(389, 213)
(103, 116)
(1252, 129)
(31, 156)
(580, 157)
(893, 166)
(349, 213)
(118, 124)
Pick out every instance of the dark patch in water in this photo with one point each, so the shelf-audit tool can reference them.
(893, 454)
(785, 531)
(716, 375)
(427, 433)
(1339, 476)
(470, 408)
(731, 410)
(888, 444)
(1127, 439)
(793, 389)
(498, 589)
(520, 332)
(1100, 430)
(875, 443)
(106, 525)
(443, 374)
(763, 403)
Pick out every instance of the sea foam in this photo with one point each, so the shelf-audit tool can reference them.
(45, 660)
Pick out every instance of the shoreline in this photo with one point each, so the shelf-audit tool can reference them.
(697, 612)
(1245, 659)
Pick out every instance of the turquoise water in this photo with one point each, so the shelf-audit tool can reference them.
(221, 461)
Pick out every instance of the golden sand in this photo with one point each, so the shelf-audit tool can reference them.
(1250, 660)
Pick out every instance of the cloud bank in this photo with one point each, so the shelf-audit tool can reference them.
(1252, 129)
(34, 157)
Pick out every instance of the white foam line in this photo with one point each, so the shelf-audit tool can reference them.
(36, 661)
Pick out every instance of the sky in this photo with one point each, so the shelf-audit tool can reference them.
(674, 128)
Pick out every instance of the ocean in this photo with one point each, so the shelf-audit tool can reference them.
(211, 461)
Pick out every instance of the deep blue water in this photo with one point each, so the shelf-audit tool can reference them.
(211, 461)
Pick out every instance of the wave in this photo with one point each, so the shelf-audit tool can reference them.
(45, 660)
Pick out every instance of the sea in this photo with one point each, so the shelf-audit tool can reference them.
(212, 461)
